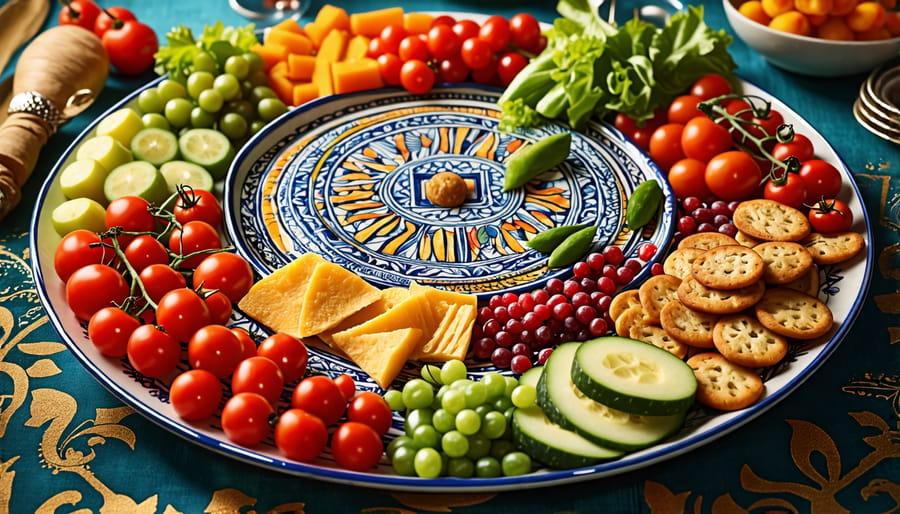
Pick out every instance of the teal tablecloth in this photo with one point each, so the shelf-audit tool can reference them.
(67, 445)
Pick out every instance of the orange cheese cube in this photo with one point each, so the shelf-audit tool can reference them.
(300, 67)
(417, 22)
(295, 43)
(333, 46)
(357, 47)
(304, 92)
(371, 23)
(359, 75)
(322, 77)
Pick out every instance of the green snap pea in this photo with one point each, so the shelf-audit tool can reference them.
(643, 204)
(531, 161)
(549, 239)
(572, 248)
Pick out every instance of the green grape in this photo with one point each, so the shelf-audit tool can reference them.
(476, 394)
(461, 384)
(178, 112)
(428, 463)
(455, 444)
(257, 79)
(204, 61)
(394, 399)
(233, 125)
(155, 120)
(487, 467)
(479, 446)
(255, 62)
(201, 118)
(270, 108)
(228, 85)
(482, 410)
(443, 420)
(468, 421)
(169, 89)
(256, 126)
(425, 436)
(237, 65)
(524, 395)
(261, 92)
(396, 443)
(243, 107)
(403, 461)
(417, 417)
(452, 371)
(198, 82)
(502, 403)
(515, 463)
(495, 385)
(211, 100)
(453, 401)
(417, 393)
(494, 425)
(460, 467)
(150, 101)
(500, 447)
(511, 383)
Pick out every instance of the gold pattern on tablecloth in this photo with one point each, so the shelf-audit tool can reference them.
(440, 502)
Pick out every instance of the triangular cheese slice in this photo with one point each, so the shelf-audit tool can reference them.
(276, 300)
(424, 349)
(454, 342)
(389, 298)
(382, 354)
(406, 314)
(332, 295)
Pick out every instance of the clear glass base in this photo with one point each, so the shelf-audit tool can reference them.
(269, 10)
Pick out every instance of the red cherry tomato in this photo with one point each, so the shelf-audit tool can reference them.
(75, 251)
(495, 31)
(413, 47)
(194, 236)
(453, 70)
(356, 446)
(525, 32)
(131, 47)
(216, 349)
(159, 279)
(288, 352)
(319, 395)
(688, 179)
(246, 418)
(82, 13)
(109, 330)
(711, 86)
(300, 435)
(464, 29)
(665, 145)
(145, 250)
(702, 139)
(444, 19)
(487, 74)
(181, 312)
(733, 175)
(93, 287)
(108, 18)
(389, 65)
(768, 126)
(390, 37)
(219, 306)
(347, 385)
(822, 179)
(228, 272)
(153, 352)
(416, 77)
(509, 65)
(247, 342)
(195, 394)
(372, 409)
(442, 42)
(476, 53)
(132, 213)
(258, 375)
(197, 205)
(800, 147)
(683, 108)
(788, 189)
(830, 215)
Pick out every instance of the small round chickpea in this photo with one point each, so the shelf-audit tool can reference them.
(446, 189)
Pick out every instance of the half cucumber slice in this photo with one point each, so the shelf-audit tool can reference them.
(136, 178)
(185, 173)
(154, 145)
(208, 148)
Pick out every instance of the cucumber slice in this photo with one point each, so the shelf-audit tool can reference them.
(154, 145)
(568, 407)
(122, 125)
(208, 148)
(548, 442)
(106, 150)
(136, 178)
(633, 376)
(186, 174)
(83, 178)
(78, 214)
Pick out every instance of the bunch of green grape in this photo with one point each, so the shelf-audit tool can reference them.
(456, 426)
(234, 98)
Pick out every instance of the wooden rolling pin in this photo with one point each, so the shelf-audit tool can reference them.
(58, 75)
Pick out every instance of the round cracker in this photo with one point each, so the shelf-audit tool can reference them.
(785, 261)
(719, 301)
(678, 263)
(834, 248)
(655, 293)
(793, 314)
(743, 340)
(687, 325)
(769, 220)
(728, 267)
(724, 385)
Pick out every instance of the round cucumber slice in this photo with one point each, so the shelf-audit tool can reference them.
(154, 145)
(208, 148)
(137, 178)
(187, 174)
(633, 376)
(78, 214)
(106, 150)
(122, 125)
(83, 178)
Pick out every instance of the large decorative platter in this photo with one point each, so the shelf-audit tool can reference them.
(345, 178)
(844, 287)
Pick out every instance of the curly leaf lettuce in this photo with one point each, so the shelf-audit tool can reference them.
(177, 57)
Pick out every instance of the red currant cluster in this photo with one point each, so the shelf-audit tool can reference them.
(696, 215)
(518, 331)
(456, 51)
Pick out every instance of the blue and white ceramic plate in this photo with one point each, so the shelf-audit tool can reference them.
(344, 177)
(602, 171)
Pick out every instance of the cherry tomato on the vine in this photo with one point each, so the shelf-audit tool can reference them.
(228, 272)
(509, 65)
(300, 435)
(822, 179)
(216, 349)
(688, 178)
(259, 375)
(800, 147)
(159, 279)
(733, 175)
(683, 108)
(356, 446)
(703, 139)
(108, 17)
(75, 251)
(247, 342)
(288, 352)
(711, 85)
(767, 126)
(319, 395)
(145, 250)
(788, 189)
(347, 385)
(416, 76)
(131, 47)
(197, 205)
(93, 287)
(372, 409)
(79, 12)
(181, 312)
(132, 213)
(219, 306)
(246, 418)
(195, 394)
(525, 32)
(830, 215)
(153, 352)
(109, 330)
(194, 236)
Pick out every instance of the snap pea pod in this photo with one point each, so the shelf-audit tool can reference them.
(549, 239)
(643, 204)
(572, 248)
(531, 161)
